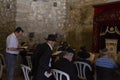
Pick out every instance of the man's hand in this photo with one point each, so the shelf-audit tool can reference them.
(47, 74)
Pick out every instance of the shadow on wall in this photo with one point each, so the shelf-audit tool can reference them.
(78, 39)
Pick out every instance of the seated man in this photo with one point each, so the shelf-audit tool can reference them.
(65, 64)
(84, 56)
(105, 66)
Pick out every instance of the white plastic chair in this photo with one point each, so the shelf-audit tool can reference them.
(29, 61)
(58, 75)
(81, 66)
(2, 64)
(26, 71)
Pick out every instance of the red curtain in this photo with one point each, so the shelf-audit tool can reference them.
(108, 14)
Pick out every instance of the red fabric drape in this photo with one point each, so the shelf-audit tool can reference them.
(108, 13)
(98, 9)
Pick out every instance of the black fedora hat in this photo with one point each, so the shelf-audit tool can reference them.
(83, 48)
(70, 50)
(51, 37)
(83, 55)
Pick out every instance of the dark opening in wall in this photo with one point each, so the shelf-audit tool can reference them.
(34, 0)
(8, 5)
(55, 4)
(31, 35)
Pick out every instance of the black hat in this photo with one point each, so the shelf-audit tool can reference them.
(51, 37)
(83, 55)
(83, 48)
(70, 50)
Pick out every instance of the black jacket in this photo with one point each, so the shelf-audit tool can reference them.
(40, 61)
(66, 66)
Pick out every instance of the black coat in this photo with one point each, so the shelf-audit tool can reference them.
(66, 66)
(41, 60)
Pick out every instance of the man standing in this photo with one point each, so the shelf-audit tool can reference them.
(12, 50)
(41, 59)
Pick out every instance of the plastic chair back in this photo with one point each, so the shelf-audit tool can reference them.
(81, 67)
(29, 61)
(26, 70)
(58, 75)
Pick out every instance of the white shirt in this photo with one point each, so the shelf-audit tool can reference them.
(50, 58)
(12, 42)
(50, 46)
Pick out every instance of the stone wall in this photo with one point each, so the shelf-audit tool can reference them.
(7, 20)
(71, 19)
(41, 17)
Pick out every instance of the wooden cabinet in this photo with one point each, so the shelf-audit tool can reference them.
(106, 27)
